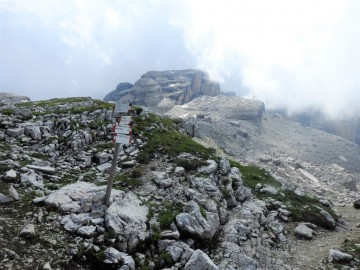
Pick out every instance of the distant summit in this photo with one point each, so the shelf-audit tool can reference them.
(176, 86)
(10, 98)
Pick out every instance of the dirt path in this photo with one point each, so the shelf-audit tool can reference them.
(310, 254)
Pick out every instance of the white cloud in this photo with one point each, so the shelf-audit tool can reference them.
(291, 54)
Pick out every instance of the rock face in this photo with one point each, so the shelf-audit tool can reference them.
(9, 98)
(126, 219)
(180, 86)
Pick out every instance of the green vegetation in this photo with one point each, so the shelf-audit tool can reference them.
(165, 138)
(166, 258)
(124, 179)
(50, 105)
(253, 175)
(168, 213)
(104, 146)
(190, 165)
(8, 111)
(39, 155)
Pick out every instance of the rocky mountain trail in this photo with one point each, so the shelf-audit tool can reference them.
(175, 204)
(314, 254)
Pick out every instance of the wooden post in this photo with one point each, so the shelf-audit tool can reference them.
(112, 174)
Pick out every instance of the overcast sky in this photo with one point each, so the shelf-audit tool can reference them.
(290, 54)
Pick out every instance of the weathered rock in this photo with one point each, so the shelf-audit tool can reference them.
(162, 179)
(28, 231)
(178, 85)
(32, 179)
(242, 193)
(303, 231)
(178, 251)
(113, 256)
(87, 231)
(269, 190)
(102, 158)
(224, 166)
(338, 256)
(210, 168)
(194, 223)
(5, 199)
(179, 171)
(10, 98)
(329, 220)
(13, 193)
(200, 261)
(43, 169)
(15, 132)
(10, 176)
(127, 218)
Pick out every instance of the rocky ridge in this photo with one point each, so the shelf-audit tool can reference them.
(175, 204)
(171, 87)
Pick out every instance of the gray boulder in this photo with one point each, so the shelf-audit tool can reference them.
(210, 168)
(200, 261)
(15, 132)
(194, 223)
(28, 231)
(5, 199)
(10, 176)
(224, 166)
(329, 220)
(113, 256)
(242, 193)
(32, 179)
(13, 193)
(303, 231)
(127, 218)
(338, 256)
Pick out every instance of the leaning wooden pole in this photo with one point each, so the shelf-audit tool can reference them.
(112, 174)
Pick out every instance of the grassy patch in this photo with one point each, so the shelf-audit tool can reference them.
(8, 111)
(125, 180)
(105, 146)
(190, 165)
(253, 175)
(39, 155)
(165, 138)
(168, 213)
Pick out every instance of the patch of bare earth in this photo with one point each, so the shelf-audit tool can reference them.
(313, 254)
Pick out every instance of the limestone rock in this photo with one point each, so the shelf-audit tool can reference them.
(43, 169)
(303, 231)
(120, 90)
(32, 179)
(87, 231)
(127, 218)
(5, 199)
(28, 231)
(10, 176)
(338, 256)
(13, 193)
(194, 223)
(200, 261)
(329, 220)
(15, 132)
(224, 166)
(181, 86)
(210, 168)
(113, 256)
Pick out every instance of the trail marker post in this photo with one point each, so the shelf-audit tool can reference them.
(122, 136)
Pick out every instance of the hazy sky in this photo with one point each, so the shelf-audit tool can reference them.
(293, 54)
